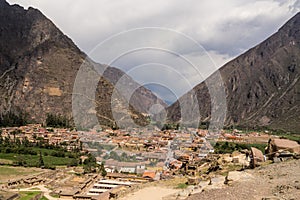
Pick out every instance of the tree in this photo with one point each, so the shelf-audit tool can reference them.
(57, 121)
(25, 142)
(89, 164)
(80, 144)
(14, 134)
(41, 161)
(1, 139)
(102, 170)
(18, 142)
(11, 119)
(87, 168)
(73, 162)
(7, 140)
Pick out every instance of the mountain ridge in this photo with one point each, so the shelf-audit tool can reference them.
(261, 85)
(38, 67)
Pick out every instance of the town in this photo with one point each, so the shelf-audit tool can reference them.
(104, 164)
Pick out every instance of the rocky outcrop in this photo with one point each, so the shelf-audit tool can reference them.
(282, 148)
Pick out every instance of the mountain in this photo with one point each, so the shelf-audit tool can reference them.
(262, 85)
(39, 66)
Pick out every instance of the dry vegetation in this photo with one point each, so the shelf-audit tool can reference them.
(8, 172)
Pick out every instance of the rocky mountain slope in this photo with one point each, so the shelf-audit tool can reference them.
(262, 85)
(274, 181)
(38, 67)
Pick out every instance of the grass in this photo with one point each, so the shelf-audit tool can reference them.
(43, 198)
(28, 195)
(182, 186)
(9, 172)
(43, 150)
(5, 171)
(33, 160)
(54, 195)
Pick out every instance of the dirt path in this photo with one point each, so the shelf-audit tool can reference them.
(272, 182)
(150, 193)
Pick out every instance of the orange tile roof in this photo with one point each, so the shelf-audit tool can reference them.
(149, 174)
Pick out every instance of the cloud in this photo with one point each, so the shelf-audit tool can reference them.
(173, 60)
(224, 29)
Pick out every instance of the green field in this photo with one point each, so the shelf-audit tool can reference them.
(33, 160)
(28, 195)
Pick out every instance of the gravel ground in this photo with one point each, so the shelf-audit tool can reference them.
(271, 182)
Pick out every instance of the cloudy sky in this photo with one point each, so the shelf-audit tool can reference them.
(169, 46)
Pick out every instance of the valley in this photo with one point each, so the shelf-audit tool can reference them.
(75, 128)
